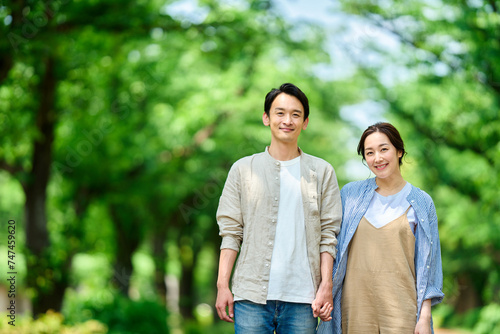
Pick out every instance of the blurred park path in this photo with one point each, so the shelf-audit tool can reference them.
(449, 331)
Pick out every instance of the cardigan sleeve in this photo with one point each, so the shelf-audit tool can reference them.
(229, 214)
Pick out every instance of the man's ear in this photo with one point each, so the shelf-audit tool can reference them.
(265, 119)
(304, 125)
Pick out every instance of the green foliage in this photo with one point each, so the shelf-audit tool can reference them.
(120, 315)
(152, 105)
(483, 320)
(489, 320)
(446, 108)
(192, 327)
(52, 322)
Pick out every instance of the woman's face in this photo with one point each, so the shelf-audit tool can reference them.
(381, 156)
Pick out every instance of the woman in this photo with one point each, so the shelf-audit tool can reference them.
(387, 273)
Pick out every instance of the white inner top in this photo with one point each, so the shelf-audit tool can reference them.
(290, 278)
(384, 209)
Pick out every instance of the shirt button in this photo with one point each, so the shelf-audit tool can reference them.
(412, 201)
(276, 177)
(273, 222)
(277, 164)
(421, 220)
(276, 198)
(421, 291)
(263, 288)
(270, 243)
(267, 264)
(428, 267)
(431, 242)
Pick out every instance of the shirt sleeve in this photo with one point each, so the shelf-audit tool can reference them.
(229, 215)
(432, 264)
(331, 213)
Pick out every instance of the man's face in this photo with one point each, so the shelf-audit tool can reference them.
(286, 118)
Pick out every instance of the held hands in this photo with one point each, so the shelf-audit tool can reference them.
(225, 300)
(324, 312)
(322, 306)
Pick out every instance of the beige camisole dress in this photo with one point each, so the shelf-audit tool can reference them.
(379, 293)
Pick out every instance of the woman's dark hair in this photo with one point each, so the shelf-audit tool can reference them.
(390, 131)
(289, 89)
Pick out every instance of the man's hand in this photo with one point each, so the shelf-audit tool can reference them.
(225, 300)
(322, 306)
(224, 295)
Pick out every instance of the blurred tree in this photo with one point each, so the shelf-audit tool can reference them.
(447, 102)
(140, 108)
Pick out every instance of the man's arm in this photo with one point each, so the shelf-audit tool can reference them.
(323, 304)
(224, 295)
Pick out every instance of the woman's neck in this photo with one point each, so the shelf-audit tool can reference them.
(390, 186)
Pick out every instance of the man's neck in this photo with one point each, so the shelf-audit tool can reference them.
(283, 152)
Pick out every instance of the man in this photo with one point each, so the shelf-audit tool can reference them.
(282, 207)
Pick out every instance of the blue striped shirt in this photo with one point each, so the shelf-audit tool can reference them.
(356, 197)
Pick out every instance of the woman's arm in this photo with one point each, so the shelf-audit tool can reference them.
(424, 322)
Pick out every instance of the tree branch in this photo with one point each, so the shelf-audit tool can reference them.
(12, 169)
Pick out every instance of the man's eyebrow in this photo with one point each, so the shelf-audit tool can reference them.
(294, 110)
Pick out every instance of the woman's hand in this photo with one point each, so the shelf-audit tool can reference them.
(423, 327)
(424, 322)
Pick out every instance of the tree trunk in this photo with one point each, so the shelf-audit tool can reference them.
(468, 297)
(160, 257)
(189, 253)
(48, 292)
(128, 234)
(187, 288)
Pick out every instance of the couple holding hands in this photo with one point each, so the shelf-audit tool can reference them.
(364, 259)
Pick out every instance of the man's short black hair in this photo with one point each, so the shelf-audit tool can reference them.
(289, 89)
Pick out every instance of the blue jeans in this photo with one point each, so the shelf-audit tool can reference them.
(282, 317)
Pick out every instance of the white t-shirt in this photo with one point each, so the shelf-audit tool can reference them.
(384, 209)
(290, 277)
